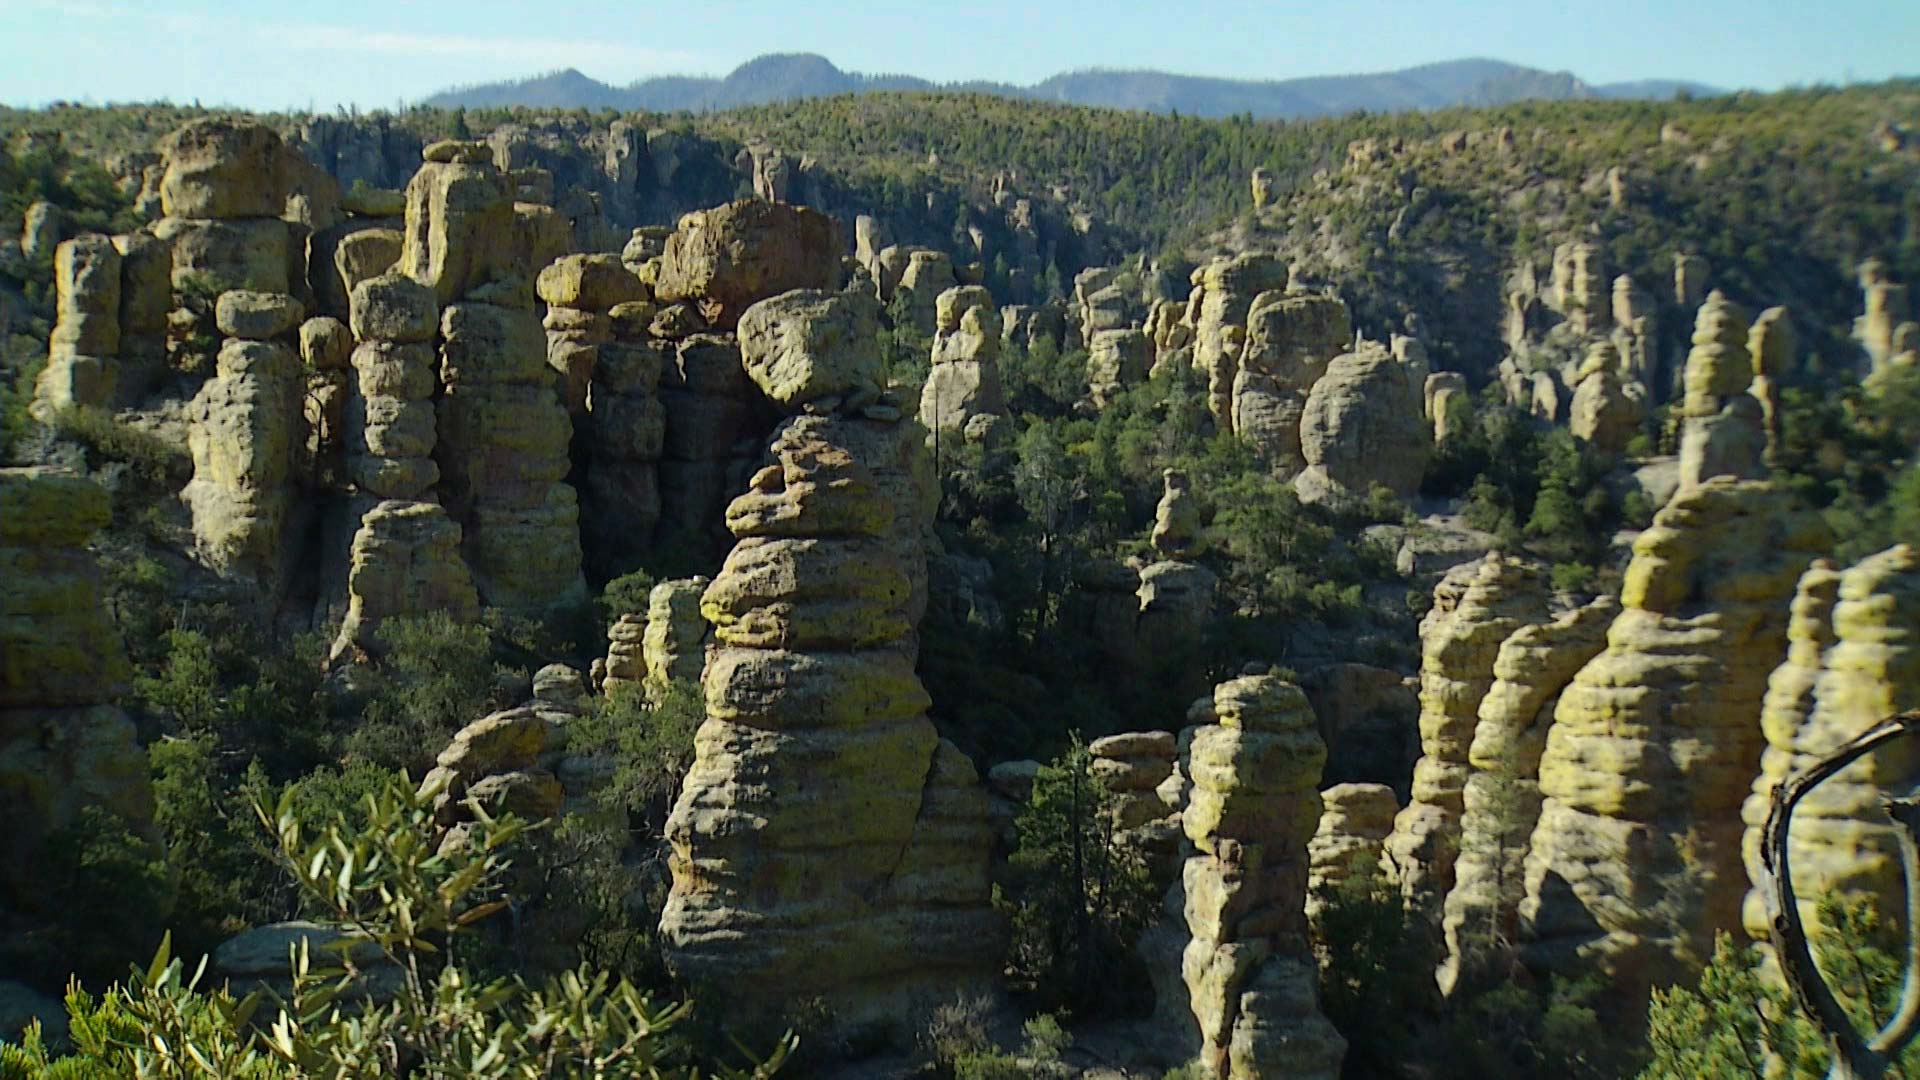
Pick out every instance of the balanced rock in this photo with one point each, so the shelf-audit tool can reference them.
(1723, 427)
(223, 168)
(728, 258)
(816, 734)
(964, 381)
(1250, 975)
(807, 345)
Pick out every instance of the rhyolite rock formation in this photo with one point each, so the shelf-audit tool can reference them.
(1251, 979)
(65, 746)
(82, 361)
(727, 258)
(1476, 607)
(1501, 801)
(1220, 304)
(1853, 660)
(1723, 426)
(1635, 862)
(1364, 425)
(502, 432)
(1355, 821)
(827, 843)
(964, 382)
(1607, 411)
(1290, 340)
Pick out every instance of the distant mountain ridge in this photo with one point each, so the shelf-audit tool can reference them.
(778, 77)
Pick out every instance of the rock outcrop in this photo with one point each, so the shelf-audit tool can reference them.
(1722, 427)
(1116, 359)
(1635, 862)
(730, 257)
(1364, 425)
(816, 738)
(502, 432)
(1607, 411)
(664, 647)
(1251, 979)
(964, 381)
(82, 362)
(1853, 660)
(1355, 821)
(65, 746)
(1501, 801)
(1220, 304)
(1886, 308)
(1476, 607)
(1290, 340)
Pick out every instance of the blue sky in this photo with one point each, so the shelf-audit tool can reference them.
(378, 53)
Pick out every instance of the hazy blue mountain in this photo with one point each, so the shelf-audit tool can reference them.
(793, 76)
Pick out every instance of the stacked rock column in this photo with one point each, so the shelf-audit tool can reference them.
(826, 843)
(1290, 340)
(82, 362)
(964, 381)
(245, 427)
(1853, 660)
(1501, 801)
(503, 433)
(405, 555)
(1251, 978)
(1635, 862)
(1476, 606)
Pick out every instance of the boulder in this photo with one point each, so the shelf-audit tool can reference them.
(726, 259)
(805, 346)
(1364, 426)
(219, 167)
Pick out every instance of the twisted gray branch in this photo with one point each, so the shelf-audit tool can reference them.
(1855, 1056)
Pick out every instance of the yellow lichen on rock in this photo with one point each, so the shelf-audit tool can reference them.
(1635, 862)
(1853, 660)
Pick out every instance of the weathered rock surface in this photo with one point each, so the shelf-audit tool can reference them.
(1116, 360)
(964, 382)
(1250, 976)
(728, 258)
(816, 740)
(1290, 339)
(807, 346)
(1225, 294)
(1355, 821)
(245, 425)
(1502, 795)
(224, 168)
(405, 562)
(1607, 412)
(1476, 607)
(1364, 425)
(1635, 862)
(65, 747)
(1723, 427)
(83, 367)
(1853, 660)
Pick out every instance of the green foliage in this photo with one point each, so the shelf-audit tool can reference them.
(649, 745)
(1739, 1021)
(211, 677)
(1076, 898)
(159, 465)
(410, 901)
(436, 677)
(1376, 971)
(107, 885)
(626, 595)
(225, 883)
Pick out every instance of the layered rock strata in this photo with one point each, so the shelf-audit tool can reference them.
(1220, 305)
(245, 429)
(1723, 426)
(1476, 607)
(964, 382)
(1251, 979)
(502, 432)
(1635, 861)
(827, 843)
(1355, 821)
(1853, 660)
(1501, 800)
